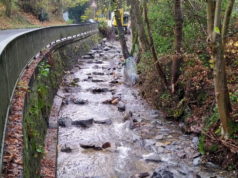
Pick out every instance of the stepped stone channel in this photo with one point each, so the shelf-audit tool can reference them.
(106, 130)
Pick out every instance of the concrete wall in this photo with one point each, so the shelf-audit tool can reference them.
(15, 55)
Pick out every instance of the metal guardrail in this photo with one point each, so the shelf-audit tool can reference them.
(18, 52)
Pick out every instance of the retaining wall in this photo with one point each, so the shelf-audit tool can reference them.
(17, 54)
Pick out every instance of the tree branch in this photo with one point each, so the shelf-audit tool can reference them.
(227, 19)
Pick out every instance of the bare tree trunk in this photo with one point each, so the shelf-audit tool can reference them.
(227, 18)
(135, 5)
(220, 82)
(210, 16)
(120, 30)
(225, 26)
(133, 30)
(153, 51)
(177, 59)
(8, 5)
(60, 9)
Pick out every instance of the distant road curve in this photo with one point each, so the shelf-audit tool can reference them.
(8, 35)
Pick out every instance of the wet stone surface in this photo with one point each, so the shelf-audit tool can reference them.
(107, 131)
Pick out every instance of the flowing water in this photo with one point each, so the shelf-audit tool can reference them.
(122, 136)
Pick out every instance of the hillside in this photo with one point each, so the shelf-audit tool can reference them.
(21, 19)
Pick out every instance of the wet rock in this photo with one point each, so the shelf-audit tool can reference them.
(106, 121)
(159, 137)
(96, 147)
(97, 55)
(195, 140)
(105, 58)
(96, 67)
(106, 49)
(141, 175)
(149, 142)
(197, 161)
(109, 44)
(72, 89)
(129, 124)
(99, 90)
(212, 165)
(66, 149)
(98, 73)
(113, 91)
(73, 84)
(181, 155)
(128, 116)
(152, 157)
(98, 62)
(83, 123)
(65, 101)
(104, 40)
(106, 145)
(79, 101)
(160, 149)
(97, 80)
(90, 146)
(87, 57)
(91, 53)
(99, 51)
(162, 174)
(75, 80)
(136, 138)
(121, 107)
(67, 89)
(137, 120)
(195, 155)
(114, 82)
(184, 171)
(64, 122)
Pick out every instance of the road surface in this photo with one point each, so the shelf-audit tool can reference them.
(7, 35)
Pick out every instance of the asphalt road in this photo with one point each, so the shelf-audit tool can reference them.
(8, 35)
(4, 34)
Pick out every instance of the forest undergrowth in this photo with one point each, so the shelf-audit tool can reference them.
(194, 107)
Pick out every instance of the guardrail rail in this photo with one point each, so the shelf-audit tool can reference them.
(18, 52)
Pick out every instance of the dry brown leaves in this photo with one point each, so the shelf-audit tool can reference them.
(13, 144)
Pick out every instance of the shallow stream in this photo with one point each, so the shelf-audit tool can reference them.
(107, 130)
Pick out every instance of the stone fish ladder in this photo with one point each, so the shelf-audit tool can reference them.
(106, 130)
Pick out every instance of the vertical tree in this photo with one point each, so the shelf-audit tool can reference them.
(8, 5)
(133, 29)
(210, 15)
(152, 48)
(124, 47)
(136, 10)
(59, 8)
(217, 38)
(178, 31)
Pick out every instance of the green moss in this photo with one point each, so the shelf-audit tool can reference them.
(201, 144)
(35, 117)
(214, 118)
(213, 148)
